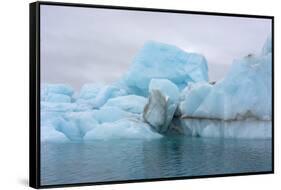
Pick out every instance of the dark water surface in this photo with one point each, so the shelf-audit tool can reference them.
(111, 160)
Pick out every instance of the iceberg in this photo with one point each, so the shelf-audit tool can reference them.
(165, 90)
(162, 61)
(162, 103)
(244, 92)
(239, 106)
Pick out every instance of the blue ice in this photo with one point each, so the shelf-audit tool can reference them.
(165, 87)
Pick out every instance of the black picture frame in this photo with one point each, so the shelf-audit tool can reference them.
(34, 91)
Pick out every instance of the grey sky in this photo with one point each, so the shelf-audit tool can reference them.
(87, 45)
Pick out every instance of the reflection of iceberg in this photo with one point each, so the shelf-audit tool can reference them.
(166, 89)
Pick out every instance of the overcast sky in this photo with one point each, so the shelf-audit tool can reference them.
(87, 45)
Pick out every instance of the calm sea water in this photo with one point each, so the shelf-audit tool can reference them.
(111, 160)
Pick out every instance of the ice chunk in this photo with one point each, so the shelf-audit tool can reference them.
(249, 128)
(54, 97)
(129, 103)
(104, 94)
(155, 111)
(163, 61)
(49, 134)
(75, 124)
(63, 120)
(58, 93)
(57, 88)
(127, 128)
(162, 104)
(244, 92)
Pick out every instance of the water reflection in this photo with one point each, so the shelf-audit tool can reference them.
(142, 159)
